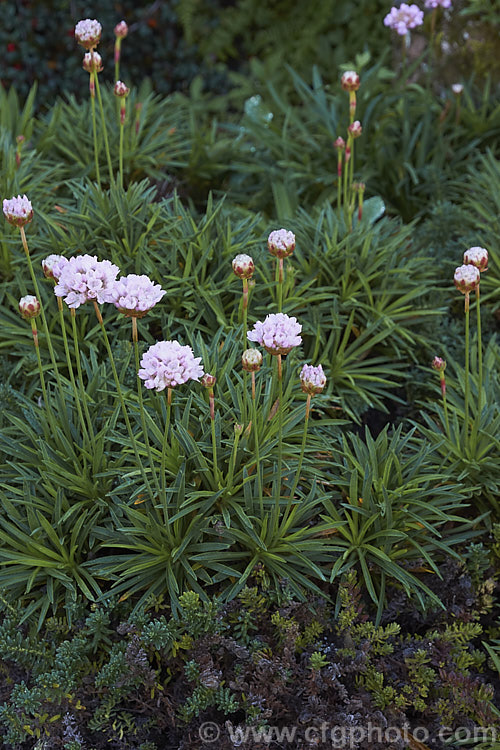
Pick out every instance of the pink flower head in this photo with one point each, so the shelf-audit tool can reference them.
(121, 30)
(167, 364)
(134, 295)
(92, 62)
(457, 88)
(466, 278)
(312, 379)
(477, 256)
(251, 360)
(281, 243)
(350, 81)
(404, 18)
(29, 307)
(278, 334)
(120, 89)
(85, 278)
(18, 211)
(243, 266)
(339, 143)
(355, 129)
(438, 364)
(88, 33)
(438, 3)
(52, 266)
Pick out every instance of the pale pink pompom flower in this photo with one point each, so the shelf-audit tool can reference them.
(18, 211)
(404, 18)
(135, 295)
(438, 4)
(52, 266)
(167, 364)
(84, 278)
(243, 266)
(88, 33)
(278, 334)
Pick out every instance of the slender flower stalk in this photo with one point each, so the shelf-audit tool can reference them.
(340, 146)
(135, 340)
(350, 83)
(121, 92)
(251, 361)
(92, 63)
(478, 257)
(243, 268)
(439, 365)
(466, 279)
(104, 131)
(121, 31)
(29, 308)
(238, 431)
(281, 244)
(163, 464)
(208, 381)
(120, 397)
(83, 394)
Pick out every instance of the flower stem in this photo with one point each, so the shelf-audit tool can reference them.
(135, 339)
(467, 387)
(339, 180)
(280, 428)
(257, 449)
(94, 127)
(76, 396)
(83, 395)
(104, 130)
(215, 465)
(279, 280)
(164, 450)
(120, 177)
(40, 370)
(42, 311)
(477, 421)
(121, 399)
(302, 448)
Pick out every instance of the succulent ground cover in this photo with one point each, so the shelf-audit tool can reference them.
(250, 423)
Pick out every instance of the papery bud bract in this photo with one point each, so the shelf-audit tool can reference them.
(120, 89)
(92, 62)
(238, 429)
(438, 364)
(350, 81)
(355, 129)
(466, 278)
(339, 143)
(29, 307)
(208, 381)
(251, 360)
(243, 266)
(281, 243)
(121, 30)
(477, 256)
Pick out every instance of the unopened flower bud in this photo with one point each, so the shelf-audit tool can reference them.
(238, 429)
(457, 88)
(120, 89)
(466, 278)
(243, 266)
(20, 139)
(121, 30)
(350, 81)
(251, 360)
(438, 364)
(312, 379)
(478, 257)
(29, 307)
(281, 243)
(339, 143)
(355, 129)
(208, 381)
(88, 33)
(52, 266)
(92, 62)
